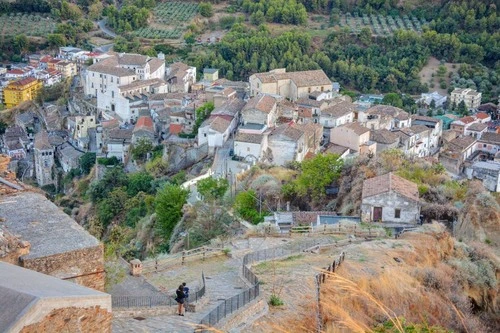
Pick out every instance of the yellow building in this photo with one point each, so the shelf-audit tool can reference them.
(20, 91)
(66, 68)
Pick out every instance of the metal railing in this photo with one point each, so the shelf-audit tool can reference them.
(155, 300)
(236, 302)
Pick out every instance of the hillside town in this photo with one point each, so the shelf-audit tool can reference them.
(249, 166)
(276, 117)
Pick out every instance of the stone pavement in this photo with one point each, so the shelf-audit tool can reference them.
(219, 287)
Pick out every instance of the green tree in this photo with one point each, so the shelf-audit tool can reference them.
(114, 177)
(168, 207)
(212, 189)
(206, 9)
(393, 99)
(462, 109)
(139, 182)
(3, 127)
(112, 205)
(141, 149)
(317, 174)
(246, 205)
(87, 161)
(56, 40)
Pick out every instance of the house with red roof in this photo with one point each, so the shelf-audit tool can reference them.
(143, 129)
(390, 200)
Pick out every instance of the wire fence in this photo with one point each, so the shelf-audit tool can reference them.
(124, 302)
(231, 305)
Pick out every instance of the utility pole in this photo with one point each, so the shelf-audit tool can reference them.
(260, 201)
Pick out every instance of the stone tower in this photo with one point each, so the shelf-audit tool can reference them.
(44, 159)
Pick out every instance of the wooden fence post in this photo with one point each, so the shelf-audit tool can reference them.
(324, 229)
(183, 256)
(204, 251)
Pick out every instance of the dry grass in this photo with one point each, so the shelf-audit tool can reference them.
(421, 287)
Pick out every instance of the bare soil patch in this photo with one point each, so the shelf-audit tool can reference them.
(432, 68)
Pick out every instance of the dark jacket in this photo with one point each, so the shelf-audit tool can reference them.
(180, 295)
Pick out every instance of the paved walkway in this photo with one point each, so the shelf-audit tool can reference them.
(220, 286)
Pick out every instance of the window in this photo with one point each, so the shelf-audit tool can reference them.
(248, 148)
(111, 79)
(205, 135)
(309, 90)
(112, 94)
(100, 75)
(322, 88)
(397, 213)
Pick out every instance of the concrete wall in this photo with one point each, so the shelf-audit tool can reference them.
(410, 210)
(243, 149)
(283, 151)
(85, 267)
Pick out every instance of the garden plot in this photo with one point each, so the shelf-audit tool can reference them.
(29, 24)
(379, 24)
(170, 20)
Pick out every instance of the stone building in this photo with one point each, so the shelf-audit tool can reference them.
(34, 302)
(44, 159)
(58, 246)
(291, 85)
(391, 200)
(488, 172)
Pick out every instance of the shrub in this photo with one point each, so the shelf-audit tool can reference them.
(274, 300)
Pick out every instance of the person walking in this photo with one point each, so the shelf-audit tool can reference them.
(180, 299)
(186, 291)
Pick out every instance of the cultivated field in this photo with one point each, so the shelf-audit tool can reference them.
(170, 20)
(29, 24)
(379, 24)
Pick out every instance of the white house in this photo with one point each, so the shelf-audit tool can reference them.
(116, 80)
(260, 109)
(427, 98)
(117, 143)
(250, 146)
(180, 77)
(337, 114)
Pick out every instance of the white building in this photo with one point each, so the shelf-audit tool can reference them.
(119, 80)
(470, 97)
(427, 98)
(180, 77)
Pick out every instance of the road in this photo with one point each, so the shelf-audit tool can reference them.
(102, 26)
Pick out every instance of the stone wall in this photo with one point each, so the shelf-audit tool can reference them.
(85, 266)
(244, 317)
(182, 156)
(73, 319)
(410, 210)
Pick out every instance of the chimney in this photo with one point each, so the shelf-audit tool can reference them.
(288, 206)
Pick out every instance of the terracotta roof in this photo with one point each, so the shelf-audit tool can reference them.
(461, 143)
(249, 137)
(287, 130)
(110, 66)
(219, 124)
(263, 103)
(16, 71)
(425, 118)
(301, 79)
(356, 128)
(23, 81)
(120, 134)
(336, 149)
(383, 136)
(339, 109)
(388, 110)
(490, 137)
(144, 123)
(419, 128)
(42, 141)
(467, 119)
(478, 127)
(482, 115)
(309, 217)
(178, 69)
(175, 128)
(154, 64)
(390, 183)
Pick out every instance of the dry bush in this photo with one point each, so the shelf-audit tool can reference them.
(422, 287)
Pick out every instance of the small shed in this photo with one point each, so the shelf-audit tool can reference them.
(391, 200)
